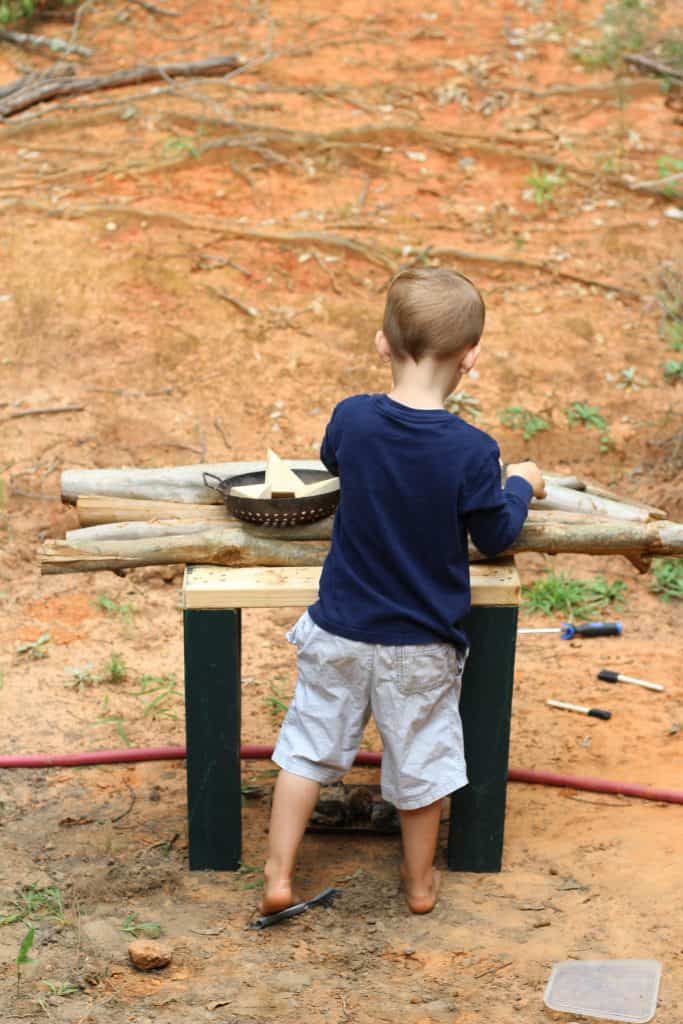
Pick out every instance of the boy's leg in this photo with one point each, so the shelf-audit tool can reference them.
(293, 802)
(420, 833)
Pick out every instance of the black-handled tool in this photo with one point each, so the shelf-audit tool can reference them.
(324, 898)
(608, 676)
(567, 630)
(593, 712)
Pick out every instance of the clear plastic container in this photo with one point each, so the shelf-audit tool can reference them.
(623, 990)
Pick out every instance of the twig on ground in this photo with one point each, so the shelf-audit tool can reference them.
(165, 12)
(222, 294)
(48, 410)
(654, 66)
(50, 87)
(201, 437)
(495, 969)
(218, 424)
(127, 811)
(657, 184)
(52, 43)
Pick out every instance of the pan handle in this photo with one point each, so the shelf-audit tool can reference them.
(213, 487)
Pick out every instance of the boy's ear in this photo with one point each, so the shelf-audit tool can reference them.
(470, 358)
(382, 345)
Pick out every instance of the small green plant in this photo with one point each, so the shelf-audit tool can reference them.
(673, 370)
(122, 610)
(58, 989)
(670, 167)
(590, 416)
(114, 669)
(180, 146)
(670, 297)
(276, 701)
(672, 332)
(518, 418)
(629, 380)
(37, 649)
(543, 184)
(34, 901)
(133, 927)
(581, 412)
(556, 593)
(624, 27)
(80, 677)
(667, 579)
(247, 871)
(462, 404)
(160, 692)
(106, 717)
(22, 955)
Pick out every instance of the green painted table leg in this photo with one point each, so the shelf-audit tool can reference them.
(475, 838)
(212, 720)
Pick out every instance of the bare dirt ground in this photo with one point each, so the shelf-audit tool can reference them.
(360, 137)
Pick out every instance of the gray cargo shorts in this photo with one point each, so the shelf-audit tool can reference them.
(412, 691)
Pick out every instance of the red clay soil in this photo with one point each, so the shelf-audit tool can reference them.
(201, 267)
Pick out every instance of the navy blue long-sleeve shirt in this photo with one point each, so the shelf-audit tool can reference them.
(413, 483)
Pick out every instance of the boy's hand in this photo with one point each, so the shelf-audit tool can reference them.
(530, 472)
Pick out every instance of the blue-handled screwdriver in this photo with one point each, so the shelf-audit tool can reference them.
(567, 630)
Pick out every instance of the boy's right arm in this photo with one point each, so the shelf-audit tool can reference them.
(530, 472)
(495, 515)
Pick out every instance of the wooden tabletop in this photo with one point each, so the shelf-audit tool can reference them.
(217, 586)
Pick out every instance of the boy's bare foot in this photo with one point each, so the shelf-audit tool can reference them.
(421, 895)
(277, 893)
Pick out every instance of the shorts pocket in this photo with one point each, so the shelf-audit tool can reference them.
(425, 667)
(301, 631)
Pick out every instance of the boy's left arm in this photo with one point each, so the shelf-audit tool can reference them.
(328, 448)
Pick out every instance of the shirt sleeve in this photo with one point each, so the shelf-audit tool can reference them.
(328, 449)
(494, 515)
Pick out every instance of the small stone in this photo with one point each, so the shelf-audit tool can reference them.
(148, 955)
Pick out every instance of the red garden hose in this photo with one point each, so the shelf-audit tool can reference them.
(260, 752)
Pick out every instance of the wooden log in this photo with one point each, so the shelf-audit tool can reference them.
(96, 509)
(205, 517)
(140, 531)
(230, 545)
(185, 485)
(51, 86)
(565, 499)
(170, 483)
(236, 545)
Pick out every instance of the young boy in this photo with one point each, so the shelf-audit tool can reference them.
(385, 635)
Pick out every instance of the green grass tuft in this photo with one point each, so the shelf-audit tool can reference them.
(557, 593)
(668, 578)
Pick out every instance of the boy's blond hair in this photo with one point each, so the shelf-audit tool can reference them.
(432, 311)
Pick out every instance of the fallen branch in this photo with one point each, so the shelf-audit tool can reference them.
(373, 254)
(165, 12)
(221, 293)
(543, 266)
(237, 545)
(49, 87)
(27, 39)
(653, 66)
(48, 410)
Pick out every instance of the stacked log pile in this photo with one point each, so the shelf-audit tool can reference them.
(139, 517)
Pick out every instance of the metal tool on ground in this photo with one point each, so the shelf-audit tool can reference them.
(593, 712)
(587, 629)
(324, 898)
(608, 676)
